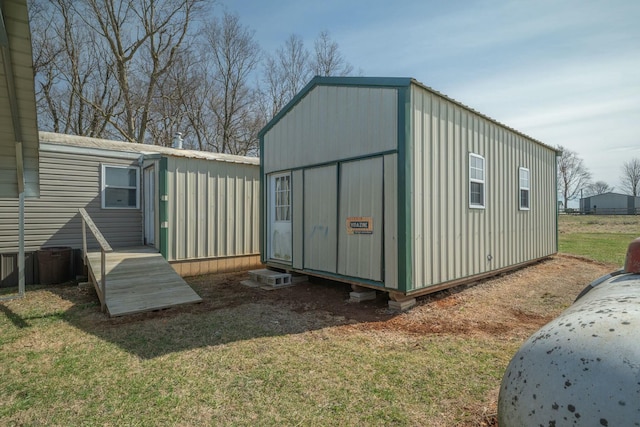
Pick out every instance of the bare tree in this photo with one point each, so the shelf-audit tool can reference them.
(630, 180)
(100, 63)
(71, 76)
(285, 74)
(573, 176)
(328, 61)
(599, 187)
(234, 56)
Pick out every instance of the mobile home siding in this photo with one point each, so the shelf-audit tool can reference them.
(331, 124)
(213, 209)
(451, 240)
(69, 181)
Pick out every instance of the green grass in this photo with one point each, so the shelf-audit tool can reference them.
(603, 247)
(253, 362)
(601, 238)
(230, 367)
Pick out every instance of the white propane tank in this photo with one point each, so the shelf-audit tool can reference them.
(583, 368)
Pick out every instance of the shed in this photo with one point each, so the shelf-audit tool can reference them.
(610, 204)
(199, 209)
(387, 184)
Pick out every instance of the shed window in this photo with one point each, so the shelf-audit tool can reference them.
(283, 198)
(476, 181)
(120, 187)
(524, 188)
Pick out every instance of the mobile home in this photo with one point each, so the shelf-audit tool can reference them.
(199, 209)
(387, 184)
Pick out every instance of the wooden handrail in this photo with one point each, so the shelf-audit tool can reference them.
(104, 249)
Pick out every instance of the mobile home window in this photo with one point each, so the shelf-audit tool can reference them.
(524, 188)
(283, 198)
(120, 187)
(476, 181)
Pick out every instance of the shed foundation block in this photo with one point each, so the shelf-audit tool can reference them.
(402, 305)
(361, 294)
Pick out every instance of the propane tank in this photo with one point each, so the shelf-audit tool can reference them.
(582, 368)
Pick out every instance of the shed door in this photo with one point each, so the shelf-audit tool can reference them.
(280, 217)
(320, 218)
(361, 222)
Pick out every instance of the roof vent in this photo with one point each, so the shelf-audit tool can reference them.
(177, 140)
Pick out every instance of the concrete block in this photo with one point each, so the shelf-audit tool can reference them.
(403, 305)
(270, 277)
(359, 296)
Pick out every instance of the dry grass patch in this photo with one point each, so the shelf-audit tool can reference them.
(296, 356)
(612, 224)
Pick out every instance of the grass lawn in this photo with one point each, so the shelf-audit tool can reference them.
(602, 238)
(255, 364)
(295, 356)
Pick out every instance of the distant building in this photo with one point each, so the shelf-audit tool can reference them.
(610, 204)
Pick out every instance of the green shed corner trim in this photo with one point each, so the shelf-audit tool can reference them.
(163, 207)
(404, 190)
(263, 191)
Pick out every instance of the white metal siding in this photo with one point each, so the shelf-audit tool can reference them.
(361, 195)
(320, 218)
(330, 124)
(68, 182)
(297, 210)
(391, 221)
(450, 240)
(213, 209)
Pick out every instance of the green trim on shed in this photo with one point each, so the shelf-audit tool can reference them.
(262, 229)
(163, 206)
(404, 190)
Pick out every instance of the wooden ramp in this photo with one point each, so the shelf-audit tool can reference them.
(138, 279)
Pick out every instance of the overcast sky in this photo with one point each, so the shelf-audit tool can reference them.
(565, 72)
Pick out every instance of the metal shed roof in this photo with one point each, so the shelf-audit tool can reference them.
(84, 142)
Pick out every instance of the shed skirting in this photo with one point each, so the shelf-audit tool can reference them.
(194, 267)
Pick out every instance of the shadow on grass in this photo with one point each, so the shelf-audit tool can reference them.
(17, 320)
(230, 312)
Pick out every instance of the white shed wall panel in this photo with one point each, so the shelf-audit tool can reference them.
(68, 182)
(391, 221)
(213, 209)
(331, 124)
(450, 240)
(297, 218)
(320, 218)
(361, 195)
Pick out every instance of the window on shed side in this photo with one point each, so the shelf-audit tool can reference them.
(120, 187)
(476, 181)
(283, 198)
(523, 174)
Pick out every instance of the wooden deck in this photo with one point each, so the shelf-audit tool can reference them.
(139, 279)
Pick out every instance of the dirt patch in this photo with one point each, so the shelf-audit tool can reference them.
(509, 306)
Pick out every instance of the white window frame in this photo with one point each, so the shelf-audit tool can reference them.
(104, 186)
(282, 198)
(482, 181)
(522, 188)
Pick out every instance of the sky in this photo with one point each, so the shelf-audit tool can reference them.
(565, 72)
